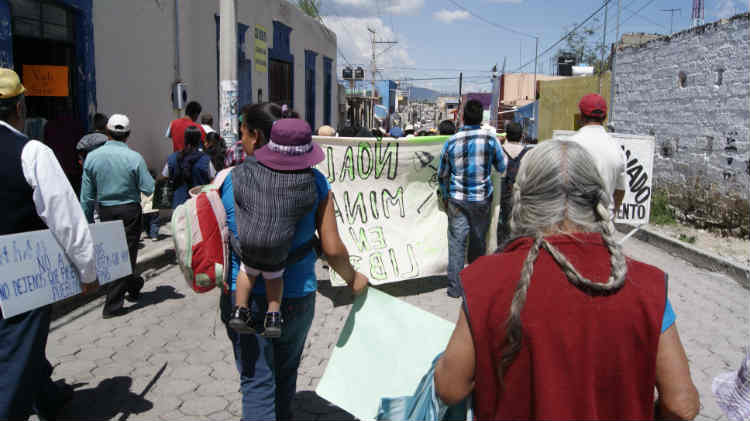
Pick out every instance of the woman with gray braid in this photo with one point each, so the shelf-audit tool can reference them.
(560, 324)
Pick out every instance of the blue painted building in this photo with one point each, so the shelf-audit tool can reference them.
(52, 33)
(125, 56)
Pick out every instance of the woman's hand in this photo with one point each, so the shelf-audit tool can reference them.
(359, 284)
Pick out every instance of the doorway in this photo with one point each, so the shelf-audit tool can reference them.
(44, 45)
(280, 82)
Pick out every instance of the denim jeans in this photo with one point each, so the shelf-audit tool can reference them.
(503, 220)
(151, 224)
(268, 367)
(467, 222)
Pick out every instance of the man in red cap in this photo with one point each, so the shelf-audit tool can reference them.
(609, 156)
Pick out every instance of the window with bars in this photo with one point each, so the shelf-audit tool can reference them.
(42, 20)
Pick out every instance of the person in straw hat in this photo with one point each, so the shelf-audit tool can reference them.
(36, 196)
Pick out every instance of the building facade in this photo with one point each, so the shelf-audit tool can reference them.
(127, 56)
(558, 101)
(691, 91)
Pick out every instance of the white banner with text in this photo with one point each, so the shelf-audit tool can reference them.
(387, 207)
(36, 271)
(639, 167)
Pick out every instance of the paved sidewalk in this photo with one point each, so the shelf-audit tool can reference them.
(170, 358)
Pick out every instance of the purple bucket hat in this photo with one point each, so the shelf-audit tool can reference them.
(290, 147)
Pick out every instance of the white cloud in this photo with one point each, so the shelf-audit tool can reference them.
(403, 7)
(449, 16)
(728, 8)
(354, 41)
(372, 7)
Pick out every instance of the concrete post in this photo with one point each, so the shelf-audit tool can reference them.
(228, 91)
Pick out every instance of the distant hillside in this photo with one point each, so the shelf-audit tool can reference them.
(423, 94)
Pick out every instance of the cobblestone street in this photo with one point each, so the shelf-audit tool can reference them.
(169, 357)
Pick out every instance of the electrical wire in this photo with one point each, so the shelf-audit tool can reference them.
(489, 22)
(647, 19)
(427, 69)
(564, 36)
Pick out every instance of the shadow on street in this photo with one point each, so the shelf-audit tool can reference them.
(342, 296)
(308, 405)
(111, 397)
(160, 294)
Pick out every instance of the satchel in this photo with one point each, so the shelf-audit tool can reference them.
(163, 193)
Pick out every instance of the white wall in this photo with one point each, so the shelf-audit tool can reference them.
(134, 47)
(133, 44)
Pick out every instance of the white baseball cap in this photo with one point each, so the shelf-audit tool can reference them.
(119, 123)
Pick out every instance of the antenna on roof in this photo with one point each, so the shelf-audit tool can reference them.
(698, 14)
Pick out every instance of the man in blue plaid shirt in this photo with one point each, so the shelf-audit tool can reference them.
(464, 173)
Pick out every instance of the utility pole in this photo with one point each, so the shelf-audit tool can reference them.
(177, 72)
(460, 88)
(619, 12)
(228, 93)
(612, 93)
(671, 17)
(520, 53)
(604, 42)
(177, 68)
(495, 104)
(698, 14)
(373, 71)
(536, 58)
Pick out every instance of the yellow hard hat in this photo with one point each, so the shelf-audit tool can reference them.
(10, 84)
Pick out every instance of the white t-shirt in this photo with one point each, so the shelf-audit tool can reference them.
(609, 156)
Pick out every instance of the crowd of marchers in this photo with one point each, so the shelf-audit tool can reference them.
(557, 323)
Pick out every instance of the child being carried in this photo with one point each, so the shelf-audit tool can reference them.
(272, 193)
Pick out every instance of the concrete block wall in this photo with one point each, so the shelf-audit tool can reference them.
(701, 124)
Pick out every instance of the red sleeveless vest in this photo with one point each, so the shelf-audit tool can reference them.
(583, 356)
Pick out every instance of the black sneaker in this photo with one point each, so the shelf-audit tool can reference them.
(114, 313)
(240, 320)
(134, 294)
(272, 325)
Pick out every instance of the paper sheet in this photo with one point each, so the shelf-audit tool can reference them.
(384, 349)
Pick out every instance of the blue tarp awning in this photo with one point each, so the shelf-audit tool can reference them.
(527, 117)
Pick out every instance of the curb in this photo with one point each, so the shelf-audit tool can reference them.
(149, 263)
(694, 255)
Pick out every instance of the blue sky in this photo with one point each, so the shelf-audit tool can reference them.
(438, 39)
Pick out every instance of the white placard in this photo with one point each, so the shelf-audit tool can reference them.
(639, 154)
(36, 271)
(387, 207)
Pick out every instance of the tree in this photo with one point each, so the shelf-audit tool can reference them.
(585, 44)
(310, 7)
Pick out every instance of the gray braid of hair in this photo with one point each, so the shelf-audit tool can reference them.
(617, 258)
(514, 336)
